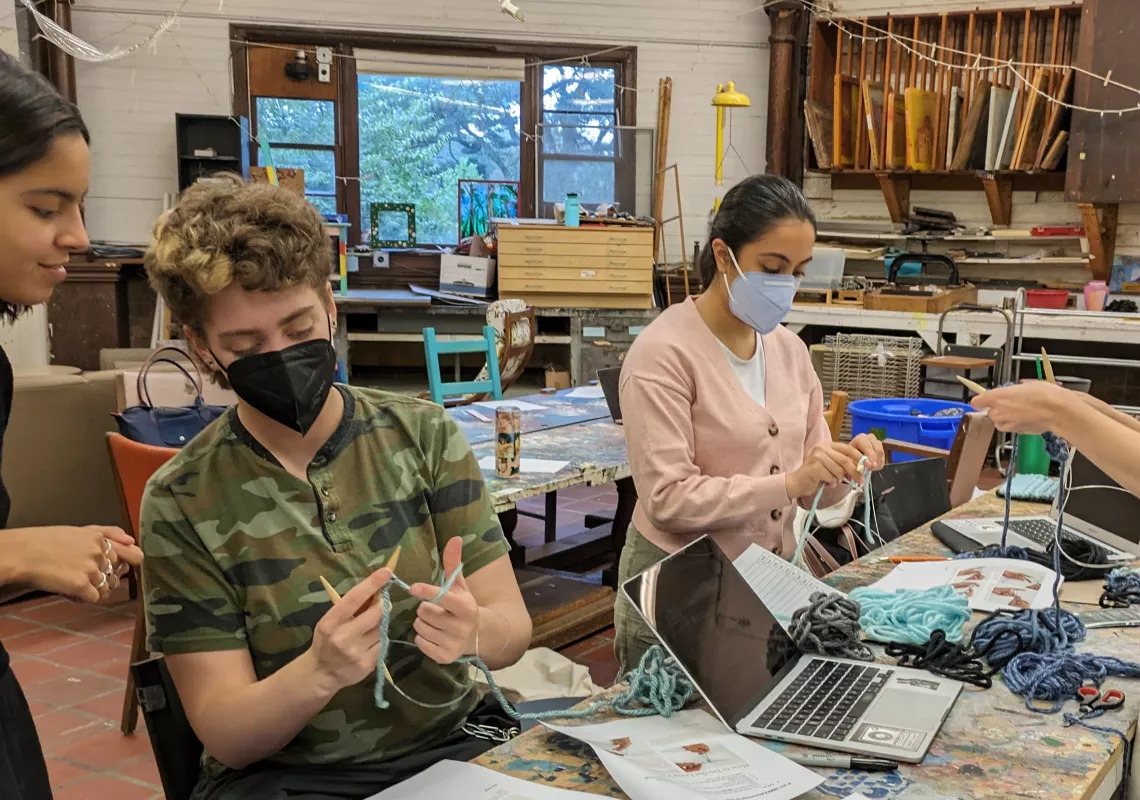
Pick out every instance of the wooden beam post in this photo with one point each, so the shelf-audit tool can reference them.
(999, 197)
(896, 193)
(1100, 220)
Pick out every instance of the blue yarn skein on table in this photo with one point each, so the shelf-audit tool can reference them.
(910, 617)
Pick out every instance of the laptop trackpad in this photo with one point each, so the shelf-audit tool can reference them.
(901, 718)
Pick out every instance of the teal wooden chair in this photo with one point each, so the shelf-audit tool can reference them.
(441, 391)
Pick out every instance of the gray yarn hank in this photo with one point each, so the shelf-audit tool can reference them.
(829, 626)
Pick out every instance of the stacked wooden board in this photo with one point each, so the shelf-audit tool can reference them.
(936, 93)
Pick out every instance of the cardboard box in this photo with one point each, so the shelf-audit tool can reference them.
(557, 378)
(467, 275)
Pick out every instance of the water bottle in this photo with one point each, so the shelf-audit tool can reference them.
(572, 210)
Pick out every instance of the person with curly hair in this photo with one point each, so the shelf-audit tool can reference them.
(305, 481)
(44, 171)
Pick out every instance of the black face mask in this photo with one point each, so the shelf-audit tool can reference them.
(289, 386)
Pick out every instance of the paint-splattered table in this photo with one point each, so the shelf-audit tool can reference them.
(547, 411)
(990, 748)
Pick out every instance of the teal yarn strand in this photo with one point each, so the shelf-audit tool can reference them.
(385, 642)
(868, 498)
(657, 686)
(910, 616)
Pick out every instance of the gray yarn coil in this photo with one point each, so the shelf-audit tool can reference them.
(829, 626)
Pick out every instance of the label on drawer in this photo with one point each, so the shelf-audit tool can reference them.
(635, 329)
(593, 333)
(588, 273)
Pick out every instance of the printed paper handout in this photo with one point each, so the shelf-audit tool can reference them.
(531, 466)
(521, 405)
(456, 779)
(690, 756)
(989, 584)
(783, 587)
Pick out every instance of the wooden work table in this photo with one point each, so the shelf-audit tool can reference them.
(990, 748)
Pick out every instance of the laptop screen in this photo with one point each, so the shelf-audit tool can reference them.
(701, 607)
(1111, 510)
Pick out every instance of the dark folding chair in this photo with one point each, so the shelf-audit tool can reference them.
(177, 750)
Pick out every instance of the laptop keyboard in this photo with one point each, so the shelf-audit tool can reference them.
(1040, 531)
(825, 700)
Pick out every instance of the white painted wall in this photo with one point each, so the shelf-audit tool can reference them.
(130, 104)
(9, 41)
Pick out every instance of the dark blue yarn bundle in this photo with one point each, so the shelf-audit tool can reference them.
(1121, 588)
(1037, 652)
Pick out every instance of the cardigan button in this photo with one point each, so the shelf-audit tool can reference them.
(777, 514)
(775, 470)
(773, 429)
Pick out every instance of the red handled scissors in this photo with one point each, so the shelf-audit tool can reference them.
(1092, 699)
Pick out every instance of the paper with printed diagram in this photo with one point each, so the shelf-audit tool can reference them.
(989, 584)
(690, 756)
(448, 779)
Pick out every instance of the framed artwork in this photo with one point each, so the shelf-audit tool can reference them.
(482, 201)
(393, 226)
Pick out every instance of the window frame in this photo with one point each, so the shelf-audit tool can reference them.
(347, 149)
(255, 157)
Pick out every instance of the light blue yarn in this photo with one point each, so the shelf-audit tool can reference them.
(657, 686)
(814, 512)
(910, 616)
(1032, 488)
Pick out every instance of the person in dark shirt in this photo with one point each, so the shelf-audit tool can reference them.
(44, 170)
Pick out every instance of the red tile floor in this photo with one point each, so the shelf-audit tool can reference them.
(71, 660)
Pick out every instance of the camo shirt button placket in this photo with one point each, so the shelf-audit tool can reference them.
(328, 505)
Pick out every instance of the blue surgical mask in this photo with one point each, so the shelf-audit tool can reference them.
(760, 300)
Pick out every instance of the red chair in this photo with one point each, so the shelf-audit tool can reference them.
(132, 464)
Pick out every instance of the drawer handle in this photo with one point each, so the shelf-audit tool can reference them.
(535, 261)
(533, 237)
(534, 274)
(534, 249)
(619, 261)
(621, 275)
(534, 286)
(618, 287)
(619, 239)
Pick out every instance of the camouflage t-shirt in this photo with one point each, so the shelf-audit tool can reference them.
(235, 547)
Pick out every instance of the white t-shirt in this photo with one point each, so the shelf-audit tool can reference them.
(751, 372)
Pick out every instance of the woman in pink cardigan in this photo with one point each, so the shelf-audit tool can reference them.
(723, 412)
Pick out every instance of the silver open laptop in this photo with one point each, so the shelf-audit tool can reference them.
(755, 678)
(1110, 517)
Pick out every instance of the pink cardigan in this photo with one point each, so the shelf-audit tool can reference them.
(706, 458)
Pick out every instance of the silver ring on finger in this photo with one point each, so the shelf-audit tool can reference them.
(113, 580)
(106, 546)
(102, 582)
(108, 568)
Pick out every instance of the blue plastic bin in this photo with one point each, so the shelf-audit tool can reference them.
(893, 418)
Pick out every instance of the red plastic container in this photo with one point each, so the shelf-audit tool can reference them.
(1046, 298)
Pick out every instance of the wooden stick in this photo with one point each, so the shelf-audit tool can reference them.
(1049, 376)
(888, 92)
(334, 596)
(1024, 57)
(941, 113)
(969, 384)
(1053, 54)
(861, 133)
(916, 35)
(970, 78)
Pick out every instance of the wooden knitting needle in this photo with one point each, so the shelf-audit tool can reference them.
(334, 596)
(1049, 376)
(969, 384)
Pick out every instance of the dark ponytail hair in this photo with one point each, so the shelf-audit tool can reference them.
(749, 210)
(32, 115)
